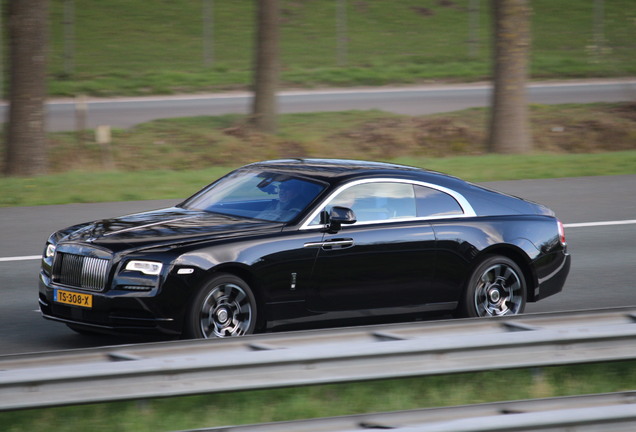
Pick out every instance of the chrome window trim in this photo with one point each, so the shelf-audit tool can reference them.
(463, 203)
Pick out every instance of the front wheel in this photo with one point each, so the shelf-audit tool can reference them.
(496, 287)
(224, 307)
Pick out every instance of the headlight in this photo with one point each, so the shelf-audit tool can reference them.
(50, 250)
(146, 267)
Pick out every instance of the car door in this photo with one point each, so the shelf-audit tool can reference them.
(451, 217)
(386, 259)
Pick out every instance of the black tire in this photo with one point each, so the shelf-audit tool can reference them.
(224, 307)
(496, 287)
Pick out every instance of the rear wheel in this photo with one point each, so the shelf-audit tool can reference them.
(496, 287)
(224, 307)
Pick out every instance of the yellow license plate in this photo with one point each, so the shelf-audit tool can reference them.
(74, 299)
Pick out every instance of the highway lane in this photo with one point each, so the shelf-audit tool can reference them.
(603, 272)
(412, 100)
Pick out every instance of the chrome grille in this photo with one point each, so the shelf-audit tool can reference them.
(81, 271)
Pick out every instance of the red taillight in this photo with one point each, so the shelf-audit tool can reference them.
(561, 232)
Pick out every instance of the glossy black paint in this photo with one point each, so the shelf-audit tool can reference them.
(302, 271)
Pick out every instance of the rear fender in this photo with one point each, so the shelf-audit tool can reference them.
(522, 252)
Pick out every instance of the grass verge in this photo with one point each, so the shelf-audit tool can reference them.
(173, 158)
(327, 400)
(85, 187)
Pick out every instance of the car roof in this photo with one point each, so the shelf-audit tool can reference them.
(334, 170)
(338, 171)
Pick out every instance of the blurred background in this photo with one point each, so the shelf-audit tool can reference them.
(99, 52)
(119, 47)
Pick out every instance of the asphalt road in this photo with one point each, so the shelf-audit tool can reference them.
(412, 100)
(603, 268)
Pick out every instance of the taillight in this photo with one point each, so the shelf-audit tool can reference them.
(561, 233)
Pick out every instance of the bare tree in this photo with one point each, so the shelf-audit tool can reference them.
(509, 125)
(266, 68)
(28, 41)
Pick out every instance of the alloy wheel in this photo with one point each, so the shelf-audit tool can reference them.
(499, 291)
(226, 311)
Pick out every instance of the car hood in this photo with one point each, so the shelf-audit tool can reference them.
(163, 227)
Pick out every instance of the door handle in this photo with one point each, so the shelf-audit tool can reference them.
(331, 244)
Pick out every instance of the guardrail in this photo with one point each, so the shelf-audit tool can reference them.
(589, 413)
(314, 357)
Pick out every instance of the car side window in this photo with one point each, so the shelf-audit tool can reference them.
(431, 203)
(376, 202)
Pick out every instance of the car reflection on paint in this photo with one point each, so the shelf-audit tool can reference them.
(287, 243)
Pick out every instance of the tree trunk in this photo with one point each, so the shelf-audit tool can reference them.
(266, 69)
(26, 133)
(509, 130)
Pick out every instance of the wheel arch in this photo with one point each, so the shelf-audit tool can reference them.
(243, 272)
(519, 256)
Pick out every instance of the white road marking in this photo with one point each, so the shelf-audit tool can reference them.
(595, 224)
(21, 258)
(571, 225)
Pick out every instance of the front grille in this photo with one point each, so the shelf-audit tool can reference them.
(80, 271)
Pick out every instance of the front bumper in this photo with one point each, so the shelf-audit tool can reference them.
(115, 311)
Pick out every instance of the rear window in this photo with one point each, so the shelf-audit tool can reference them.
(432, 203)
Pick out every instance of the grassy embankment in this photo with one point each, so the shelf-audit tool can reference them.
(150, 50)
(125, 48)
(174, 158)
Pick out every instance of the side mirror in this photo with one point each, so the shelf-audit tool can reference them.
(340, 216)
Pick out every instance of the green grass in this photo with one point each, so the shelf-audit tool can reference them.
(126, 48)
(84, 187)
(173, 158)
(327, 400)
(507, 167)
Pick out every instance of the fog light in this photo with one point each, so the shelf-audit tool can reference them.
(134, 288)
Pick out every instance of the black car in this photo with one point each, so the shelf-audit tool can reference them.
(305, 242)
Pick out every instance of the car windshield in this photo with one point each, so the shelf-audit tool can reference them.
(269, 196)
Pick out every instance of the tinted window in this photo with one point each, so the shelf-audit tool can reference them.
(267, 196)
(431, 202)
(376, 201)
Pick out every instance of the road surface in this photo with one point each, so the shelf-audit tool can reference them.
(599, 213)
(411, 100)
